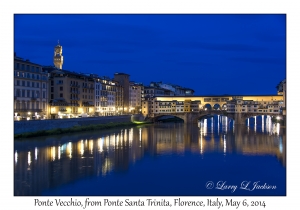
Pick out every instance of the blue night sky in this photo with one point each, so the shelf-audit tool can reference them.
(212, 54)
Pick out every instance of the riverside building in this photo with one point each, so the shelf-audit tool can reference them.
(71, 94)
(108, 96)
(30, 90)
(136, 92)
(123, 80)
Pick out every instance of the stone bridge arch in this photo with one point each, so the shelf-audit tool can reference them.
(179, 115)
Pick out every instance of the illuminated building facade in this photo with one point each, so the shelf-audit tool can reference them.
(30, 90)
(250, 106)
(136, 92)
(105, 96)
(71, 94)
(162, 107)
(260, 104)
(281, 90)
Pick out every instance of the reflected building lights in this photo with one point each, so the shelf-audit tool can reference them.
(226, 119)
(118, 139)
(140, 136)
(29, 158)
(204, 127)
(100, 144)
(280, 145)
(212, 125)
(224, 142)
(59, 152)
(107, 142)
(69, 149)
(201, 144)
(91, 146)
(35, 153)
(53, 153)
(16, 156)
(125, 135)
(218, 124)
(81, 147)
(130, 136)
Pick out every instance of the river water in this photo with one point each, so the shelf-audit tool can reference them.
(213, 157)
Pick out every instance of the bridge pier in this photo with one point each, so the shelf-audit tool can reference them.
(189, 118)
(238, 119)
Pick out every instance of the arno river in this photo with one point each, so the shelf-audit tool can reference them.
(211, 158)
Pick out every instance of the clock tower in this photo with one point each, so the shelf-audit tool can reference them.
(58, 58)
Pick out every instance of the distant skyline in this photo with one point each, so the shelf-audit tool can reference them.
(212, 54)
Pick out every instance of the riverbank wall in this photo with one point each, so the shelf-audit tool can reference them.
(21, 127)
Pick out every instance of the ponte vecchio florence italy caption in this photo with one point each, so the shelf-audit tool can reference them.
(178, 138)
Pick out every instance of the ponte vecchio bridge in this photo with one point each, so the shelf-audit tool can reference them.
(192, 108)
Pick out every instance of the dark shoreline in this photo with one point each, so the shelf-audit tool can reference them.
(76, 129)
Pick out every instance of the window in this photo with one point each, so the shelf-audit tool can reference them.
(27, 67)
(32, 68)
(23, 93)
(23, 83)
(18, 93)
(17, 66)
(37, 69)
(37, 85)
(52, 82)
(52, 96)
(44, 94)
(37, 76)
(23, 67)
(32, 84)
(18, 82)
(37, 94)
(61, 95)
(44, 85)
(61, 88)
(52, 89)
(28, 93)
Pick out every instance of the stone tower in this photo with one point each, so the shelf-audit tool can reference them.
(123, 80)
(58, 58)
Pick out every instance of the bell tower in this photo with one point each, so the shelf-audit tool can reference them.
(58, 58)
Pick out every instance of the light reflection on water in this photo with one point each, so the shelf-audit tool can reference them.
(63, 159)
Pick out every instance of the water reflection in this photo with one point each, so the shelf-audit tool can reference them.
(64, 161)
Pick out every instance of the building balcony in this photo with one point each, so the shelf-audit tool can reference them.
(62, 110)
(33, 98)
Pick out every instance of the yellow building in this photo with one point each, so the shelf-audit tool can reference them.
(71, 94)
